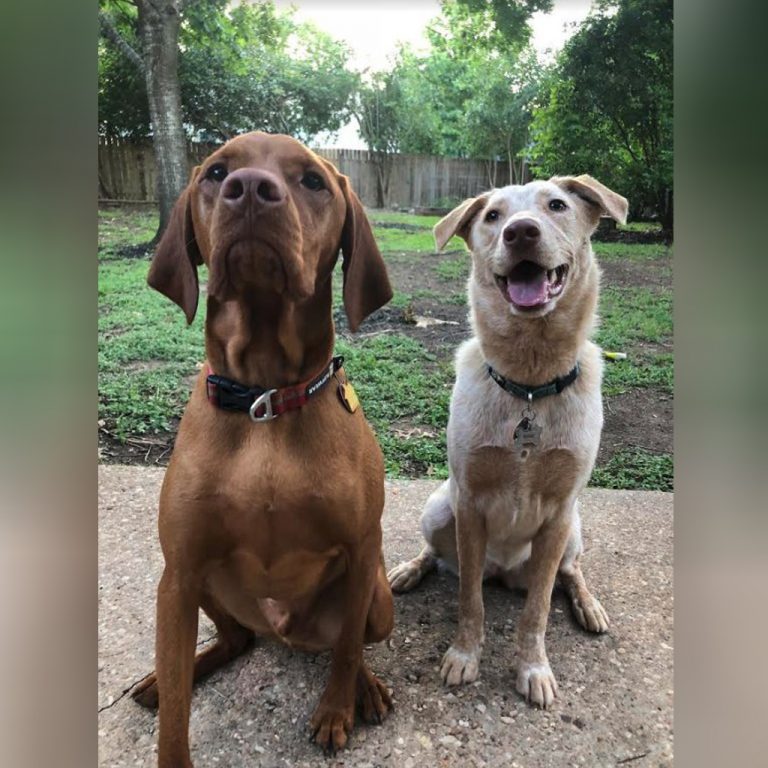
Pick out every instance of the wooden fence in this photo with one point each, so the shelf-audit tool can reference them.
(127, 173)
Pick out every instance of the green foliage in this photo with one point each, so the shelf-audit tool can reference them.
(498, 114)
(454, 269)
(609, 111)
(119, 228)
(631, 251)
(123, 105)
(631, 314)
(407, 219)
(636, 470)
(145, 351)
(636, 321)
(471, 95)
(249, 67)
(398, 240)
(379, 112)
(509, 17)
(643, 368)
(410, 421)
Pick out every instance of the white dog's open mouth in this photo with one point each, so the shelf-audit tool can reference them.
(529, 285)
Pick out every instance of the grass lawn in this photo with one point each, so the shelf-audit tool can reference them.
(402, 360)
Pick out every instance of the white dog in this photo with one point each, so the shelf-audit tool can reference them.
(526, 416)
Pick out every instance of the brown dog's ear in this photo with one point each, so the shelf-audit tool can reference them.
(595, 193)
(174, 267)
(457, 222)
(366, 283)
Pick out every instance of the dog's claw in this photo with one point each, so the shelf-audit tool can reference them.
(537, 684)
(332, 729)
(460, 667)
(404, 577)
(373, 700)
(591, 615)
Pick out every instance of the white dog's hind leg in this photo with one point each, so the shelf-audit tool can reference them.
(586, 607)
(439, 528)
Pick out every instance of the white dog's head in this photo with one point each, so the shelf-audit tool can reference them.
(531, 242)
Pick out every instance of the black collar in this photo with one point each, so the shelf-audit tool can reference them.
(528, 393)
(265, 404)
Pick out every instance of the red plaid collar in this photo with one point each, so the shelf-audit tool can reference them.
(265, 404)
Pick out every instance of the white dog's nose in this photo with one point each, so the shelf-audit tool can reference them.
(522, 233)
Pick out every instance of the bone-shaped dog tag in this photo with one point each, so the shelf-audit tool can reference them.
(526, 434)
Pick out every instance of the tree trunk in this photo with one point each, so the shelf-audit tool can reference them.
(667, 219)
(159, 23)
(383, 165)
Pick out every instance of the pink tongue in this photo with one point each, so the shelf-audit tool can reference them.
(528, 293)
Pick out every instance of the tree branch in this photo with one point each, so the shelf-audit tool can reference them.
(109, 31)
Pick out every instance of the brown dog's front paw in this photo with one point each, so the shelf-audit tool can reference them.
(331, 726)
(373, 700)
(145, 693)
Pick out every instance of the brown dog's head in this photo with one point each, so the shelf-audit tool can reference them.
(268, 215)
(530, 243)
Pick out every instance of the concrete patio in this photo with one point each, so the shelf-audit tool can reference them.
(615, 705)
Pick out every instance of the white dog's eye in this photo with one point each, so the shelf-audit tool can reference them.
(492, 216)
(557, 205)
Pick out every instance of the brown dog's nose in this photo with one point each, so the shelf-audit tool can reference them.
(251, 185)
(522, 232)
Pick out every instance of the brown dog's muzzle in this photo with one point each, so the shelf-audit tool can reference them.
(259, 238)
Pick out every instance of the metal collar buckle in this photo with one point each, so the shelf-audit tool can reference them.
(264, 399)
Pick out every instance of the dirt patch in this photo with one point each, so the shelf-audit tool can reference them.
(638, 419)
(146, 450)
(627, 236)
(141, 251)
(143, 366)
(432, 296)
(440, 339)
(653, 274)
(402, 226)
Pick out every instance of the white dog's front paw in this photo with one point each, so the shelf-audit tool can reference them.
(590, 614)
(536, 683)
(404, 577)
(460, 666)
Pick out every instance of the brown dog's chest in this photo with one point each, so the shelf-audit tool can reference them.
(284, 494)
(290, 574)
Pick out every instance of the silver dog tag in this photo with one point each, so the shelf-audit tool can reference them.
(526, 434)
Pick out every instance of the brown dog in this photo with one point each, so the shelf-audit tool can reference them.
(271, 524)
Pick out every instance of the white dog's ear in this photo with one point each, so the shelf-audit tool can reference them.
(457, 222)
(596, 194)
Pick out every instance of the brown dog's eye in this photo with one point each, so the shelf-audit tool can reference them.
(492, 216)
(313, 181)
(557, 205)
(217, 172)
